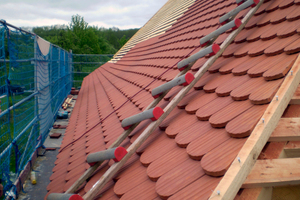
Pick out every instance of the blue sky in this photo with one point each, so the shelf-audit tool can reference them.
(123, 14)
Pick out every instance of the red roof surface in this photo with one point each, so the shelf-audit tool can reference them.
(194, 146)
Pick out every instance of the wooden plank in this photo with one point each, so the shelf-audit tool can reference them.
(173, 103)
(274, 172)
(238, 171)
(296, 97)
(288, 129)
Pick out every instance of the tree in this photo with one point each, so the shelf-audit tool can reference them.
(122, 41)
(85, 39)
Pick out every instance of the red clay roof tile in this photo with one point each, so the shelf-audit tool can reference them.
(233, 47)
(183, 121)
(130, 180)
(206, 142)
(264, 65)
(225, 89)
(227, 68)
(201, 189)
(212, 85)
(280, 69)
(288, 28)
(165, 163)
(259, 47)
(223, 116)
(243, 91)
(172, 92)
(263, 8)
(265, 92)
(205, 79)
(220, 62)
(294, 14)
(293, 47)
(217, 161)
(190, 95)
(206, 111)
(274, 5)
(109, 195)
(255, 33)
(149, 141)
(243, 67)
(95, 178)
(243, 125)
(178, 178)
(278, 46)
(145, 190)
(184, 137)
(162, 145)
(173, 115)
(197, 103)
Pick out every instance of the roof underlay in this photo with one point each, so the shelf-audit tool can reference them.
(194, 146)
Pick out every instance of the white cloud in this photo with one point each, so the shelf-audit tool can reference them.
(102, 13)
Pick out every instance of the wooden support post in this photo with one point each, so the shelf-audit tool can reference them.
(238, 171)
(288, 129)
(274, 172)
(147, 132)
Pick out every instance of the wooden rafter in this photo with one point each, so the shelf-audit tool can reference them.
(245, 160)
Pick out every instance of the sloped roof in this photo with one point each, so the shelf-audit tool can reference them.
(194, 146)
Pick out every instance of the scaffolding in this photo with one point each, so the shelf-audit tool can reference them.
(35, 79)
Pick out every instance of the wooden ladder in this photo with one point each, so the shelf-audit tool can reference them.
(147, 132)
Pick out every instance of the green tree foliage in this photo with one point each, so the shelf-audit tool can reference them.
(84, 39)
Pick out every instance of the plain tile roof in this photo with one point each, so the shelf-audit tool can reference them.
(198, 141)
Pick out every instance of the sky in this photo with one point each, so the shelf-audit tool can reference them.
(123, 14)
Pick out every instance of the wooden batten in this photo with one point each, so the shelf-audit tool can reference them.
(274, 172)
